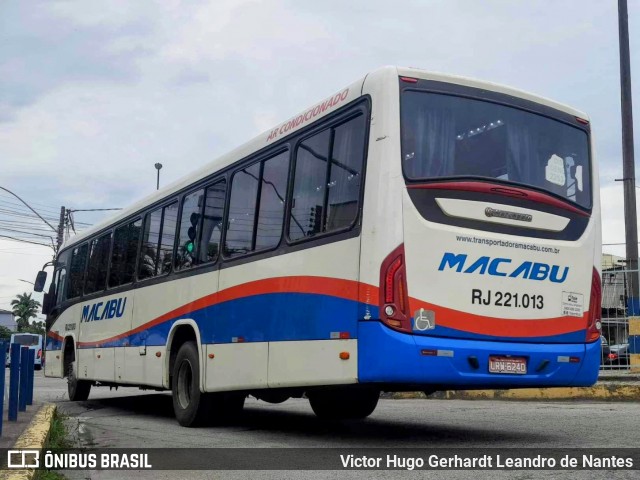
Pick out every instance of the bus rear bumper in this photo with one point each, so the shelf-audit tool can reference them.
(389, 357)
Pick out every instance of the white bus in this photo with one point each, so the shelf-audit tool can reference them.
(414, 231)
(31, 340)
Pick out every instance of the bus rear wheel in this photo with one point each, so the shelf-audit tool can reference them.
(190, 405)
(343, 403)
(78, 389)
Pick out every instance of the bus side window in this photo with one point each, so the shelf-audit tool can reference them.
(59, 280)
(328, 180)
(347, 154)
(124, 254)
(256, 208)
(168, 237)
(273, 190)
(190, 226)
(54, 288)
(98, 261)
(76, 275)
(158, 236)
(209, 248)
(309, 186)
(148, 262)
(242, 211)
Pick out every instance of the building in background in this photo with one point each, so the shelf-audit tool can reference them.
(7, 320)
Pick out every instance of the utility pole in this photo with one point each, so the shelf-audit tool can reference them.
(60, 228)
(628, 166)
(68, 223)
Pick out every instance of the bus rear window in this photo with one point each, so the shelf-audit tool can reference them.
(26, 340)
(449, 136)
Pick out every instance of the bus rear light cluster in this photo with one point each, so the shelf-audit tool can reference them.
(594, 324)
(394, 300)
(39, 353)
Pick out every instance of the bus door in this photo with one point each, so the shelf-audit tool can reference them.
(106, 320)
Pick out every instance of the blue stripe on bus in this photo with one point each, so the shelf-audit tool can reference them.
(289, 316)
(259, 318)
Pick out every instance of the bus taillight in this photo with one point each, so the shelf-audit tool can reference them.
(39, 353)
(394, 299)
(594, 326)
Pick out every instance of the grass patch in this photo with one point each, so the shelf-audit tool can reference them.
(48, 475)
(59, 434)
(58, 439)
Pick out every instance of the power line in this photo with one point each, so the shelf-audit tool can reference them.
(31, 228)
(22, 231)
(13, 213)
(3, 252)
(25, 241)
(7, 201)
(45, 205)
(28, 206)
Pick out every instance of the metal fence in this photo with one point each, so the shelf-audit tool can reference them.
(616, 286)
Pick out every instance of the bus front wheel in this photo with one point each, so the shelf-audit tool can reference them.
(340, 404)
(78, 389)
(189, 403)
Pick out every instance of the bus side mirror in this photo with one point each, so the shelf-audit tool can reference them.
(41, 279)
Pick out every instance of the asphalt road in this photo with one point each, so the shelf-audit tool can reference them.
(133, 418)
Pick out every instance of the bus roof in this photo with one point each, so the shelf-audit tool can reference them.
(289, 126)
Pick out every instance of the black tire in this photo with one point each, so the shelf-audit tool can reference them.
(37, 367)
(190, 405)
(78, 389)
(342, 403)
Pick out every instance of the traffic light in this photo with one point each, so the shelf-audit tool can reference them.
(315, 220)
(190, 246)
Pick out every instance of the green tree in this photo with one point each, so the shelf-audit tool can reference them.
(5, 333)
(24, 308)
(35, 327)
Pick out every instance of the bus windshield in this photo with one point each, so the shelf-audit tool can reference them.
(449, 136)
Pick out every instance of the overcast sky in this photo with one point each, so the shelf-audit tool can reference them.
(92, 94)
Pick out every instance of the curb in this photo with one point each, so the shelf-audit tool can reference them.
(34, 437)
(600, 392)
(619, 378)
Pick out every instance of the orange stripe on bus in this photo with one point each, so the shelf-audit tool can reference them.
(501, 327)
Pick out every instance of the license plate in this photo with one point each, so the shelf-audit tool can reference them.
(514, 365)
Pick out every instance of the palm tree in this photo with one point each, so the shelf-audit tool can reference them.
(24, 307)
